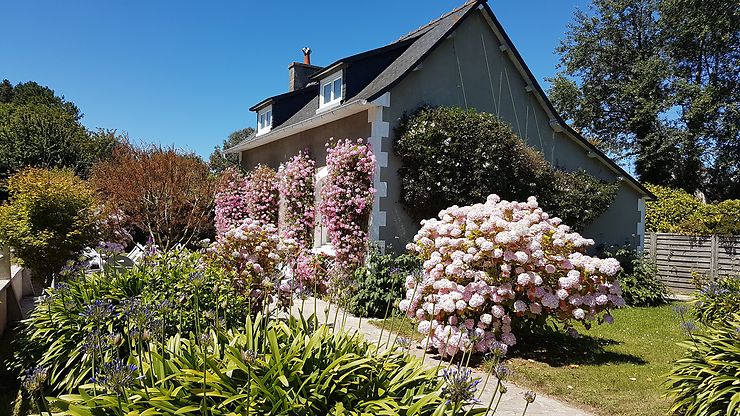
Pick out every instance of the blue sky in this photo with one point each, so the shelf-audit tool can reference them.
(184, 73)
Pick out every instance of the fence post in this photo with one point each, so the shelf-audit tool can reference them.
(653, 247)
(714, 261)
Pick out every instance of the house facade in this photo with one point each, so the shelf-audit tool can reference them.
(463, 59)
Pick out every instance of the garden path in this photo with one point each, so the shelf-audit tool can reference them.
(512, 404)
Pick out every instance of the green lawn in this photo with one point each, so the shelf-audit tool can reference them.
(611, 369)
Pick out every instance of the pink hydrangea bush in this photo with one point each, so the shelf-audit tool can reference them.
(488, 263)
(346, 200)
(230, 200)
(252, 254)
(263, 197)
(296, 188)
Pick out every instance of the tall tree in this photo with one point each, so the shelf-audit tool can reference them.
(40, 129)
(219, 161)
(652, 81)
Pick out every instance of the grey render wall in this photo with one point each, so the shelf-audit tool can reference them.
(279, 151)
(469, 70)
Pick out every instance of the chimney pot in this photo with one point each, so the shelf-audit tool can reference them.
(306, 55)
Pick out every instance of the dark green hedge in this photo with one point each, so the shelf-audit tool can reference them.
(453, 156)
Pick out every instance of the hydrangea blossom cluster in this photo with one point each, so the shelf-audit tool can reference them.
(263, 197)
(487, 264)
(252, 252)
(347, 198)
(231, 200)
(297, 194)
(311, 272)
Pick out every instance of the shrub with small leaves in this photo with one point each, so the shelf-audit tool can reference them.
(380, 283)
(639, 279)
(49, 219)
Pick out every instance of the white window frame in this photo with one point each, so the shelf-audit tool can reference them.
(265, 127)
(335, 98)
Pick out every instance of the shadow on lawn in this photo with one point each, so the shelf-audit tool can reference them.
(557, 349)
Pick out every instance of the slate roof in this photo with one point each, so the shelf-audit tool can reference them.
(368, 75)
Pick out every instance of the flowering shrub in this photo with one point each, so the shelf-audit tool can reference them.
(262, 195)
(231, 200)
(252, 252)
(347, 198)
(311, 271)
(297, 194)
(487, 264)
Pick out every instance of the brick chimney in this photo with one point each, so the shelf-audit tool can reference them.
(298, 73)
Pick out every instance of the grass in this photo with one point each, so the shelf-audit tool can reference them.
(611, 369)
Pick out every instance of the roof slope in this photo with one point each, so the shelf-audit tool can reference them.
(408, 52)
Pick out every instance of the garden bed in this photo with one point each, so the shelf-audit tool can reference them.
(612, 369)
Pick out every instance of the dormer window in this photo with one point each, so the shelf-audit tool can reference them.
(331, 90)
(264, 120)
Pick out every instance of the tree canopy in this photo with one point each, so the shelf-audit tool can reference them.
(219, 161)
(656, 82)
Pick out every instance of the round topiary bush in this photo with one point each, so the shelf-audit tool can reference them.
(487, 266)
(453, 156)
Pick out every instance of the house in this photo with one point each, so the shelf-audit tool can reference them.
(464, 59)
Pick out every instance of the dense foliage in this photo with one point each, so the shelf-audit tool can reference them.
(165, 194)
(489, 265)
(41, 129)
(297, 197)
(49, 219)
(164, 296)
(656, 81)
(347, 200)
(263, 197)
(219, 160)
(716, 300)
(639, 279)
(379, 283)
(230, 200)
(705, 381)
(453, 156)
(675, 211)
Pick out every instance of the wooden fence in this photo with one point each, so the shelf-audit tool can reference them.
(678, 256)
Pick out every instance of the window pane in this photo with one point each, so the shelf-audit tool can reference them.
(262, 121)
(268, 120)
(337, 89)
(327, 93)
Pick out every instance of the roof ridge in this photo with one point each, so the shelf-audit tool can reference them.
(435, 21)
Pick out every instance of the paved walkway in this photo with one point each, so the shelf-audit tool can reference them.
(512, 404)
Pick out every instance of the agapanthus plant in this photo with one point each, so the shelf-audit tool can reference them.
(347, 199)
(487, 264)
(297, 195)
(230, 200)
(263, 197)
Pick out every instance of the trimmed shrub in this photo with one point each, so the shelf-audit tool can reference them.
(716, 300)
(231, 200)
(263, 197)
(676, 211)
(379, 283)
(489, 267)
(453, 156)
(706, 381)
(49, 219)
(166, 195)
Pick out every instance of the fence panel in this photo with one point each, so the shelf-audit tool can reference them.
(677, 257)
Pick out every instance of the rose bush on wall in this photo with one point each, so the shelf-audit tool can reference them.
(347, 198)
(263, 197)
(231, 200)
(487, 265)
(296, 188)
